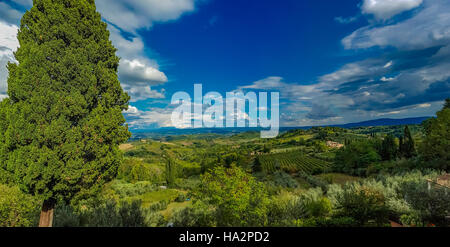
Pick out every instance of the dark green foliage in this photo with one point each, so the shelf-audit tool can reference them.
(63, 123)
(314, 181)
(66, 217)
(135, 170)
(200, 215)
(388, 148)
(257, 165)
(365, 205)
(171, 172)
(17, 209)
(432, 204)
(158, 206)
(107, 214)
(141, 152)
(283, 179)
(406, 146)
(354, 158)
(435, 149)
(329, 222)
(285, 212)
(447, 103)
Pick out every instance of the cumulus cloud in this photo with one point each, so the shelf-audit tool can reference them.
(320, 112)
(143, 92)
(8, 45)
(428, 28)
(137, 72)
(152, 118)
(131, 15)
(356, 71)
(132, 110)
(272, 82)
(385, 9)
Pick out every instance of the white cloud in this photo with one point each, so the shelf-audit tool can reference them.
(355, 71)
(347, 20)
(137, 72)
(132, 47)
(272, 82)
(8, 39)
(132, 110)
(385, 9)
(138, 93)
(8, 45)
(428, 28)
(154, 117)
(131, 15)
(426, 105)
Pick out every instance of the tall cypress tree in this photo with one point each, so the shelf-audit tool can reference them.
(407, 147)
(63, 122)
(388, 148)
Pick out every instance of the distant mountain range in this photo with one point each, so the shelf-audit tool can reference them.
(161, 132)
(385, 122)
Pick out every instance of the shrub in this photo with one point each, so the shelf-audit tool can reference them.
(65, 216)
(134, 170)
(17, 209)
(128, 190)
(238, 198)
(432, 205)
(107, 214)
(354, 158)
(327, 222)
(198, 215)
(284, 209)
(284, 180)
(363, 204)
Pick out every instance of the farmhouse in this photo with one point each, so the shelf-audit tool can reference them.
(332, 144)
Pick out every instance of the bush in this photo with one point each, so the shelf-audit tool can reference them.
(363, 204)
(65, 216)
(318, 208)
(159, 206)
(107, 214)
(314, 181)
(285, 209)
(327, 222)
(181, 197)
(134, 170)
(354, 158)
(284, 180)
(18, 209)
(432, 205)
(239, 200)
(154, 219)
(127, 189)
(198, 215)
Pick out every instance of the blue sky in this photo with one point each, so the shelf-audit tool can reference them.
(332, 61)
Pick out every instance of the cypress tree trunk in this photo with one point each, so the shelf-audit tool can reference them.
(46, 219)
